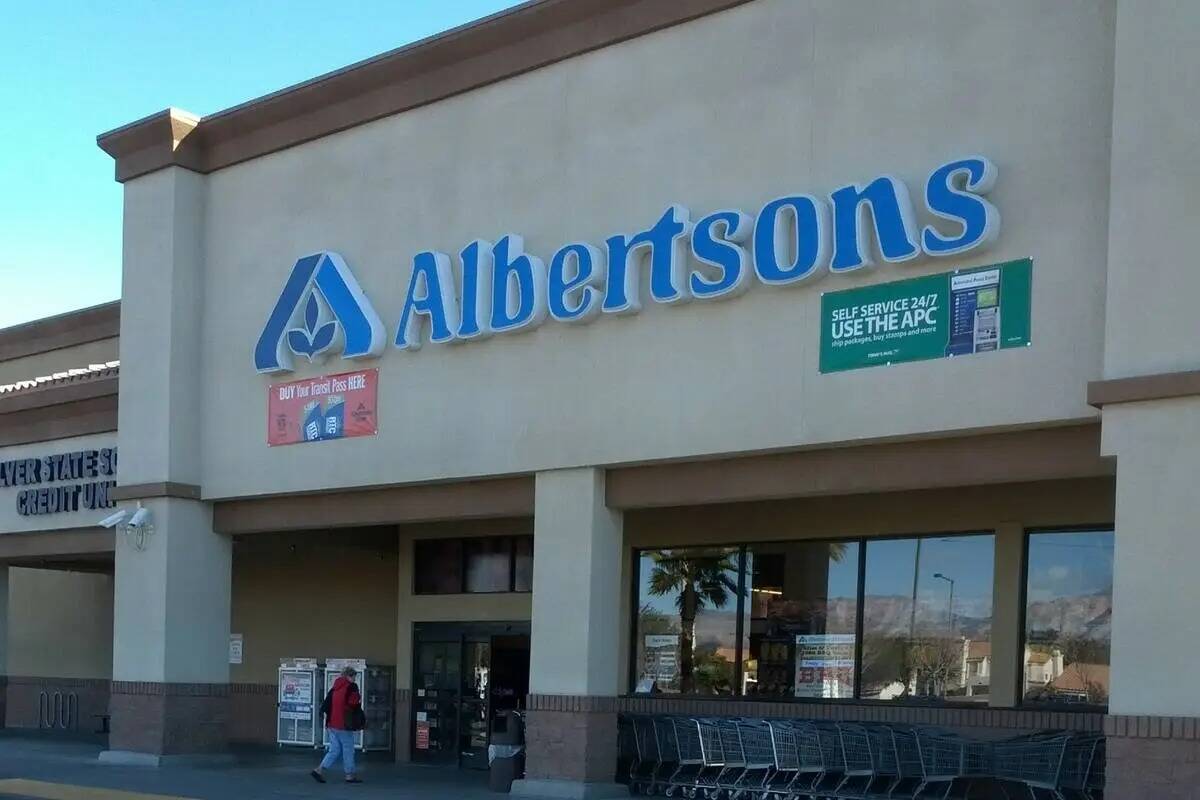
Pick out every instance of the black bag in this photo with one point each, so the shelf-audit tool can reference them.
(356, 718)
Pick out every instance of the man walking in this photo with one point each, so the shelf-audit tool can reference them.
(343, 717)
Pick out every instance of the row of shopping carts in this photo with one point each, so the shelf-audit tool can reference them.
(765, 759)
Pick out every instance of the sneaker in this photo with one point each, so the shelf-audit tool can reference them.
(317, 776)
(353, 780)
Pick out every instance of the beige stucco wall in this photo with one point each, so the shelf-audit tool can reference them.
(60, 624)
(773, 97)
(1155, 189)
(1155, 592)
(13, 522)
(1152, 280)
(61, 360)
(332, 596)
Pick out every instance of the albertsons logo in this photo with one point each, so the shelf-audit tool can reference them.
(321, 309)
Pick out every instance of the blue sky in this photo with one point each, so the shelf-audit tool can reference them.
(72, 70)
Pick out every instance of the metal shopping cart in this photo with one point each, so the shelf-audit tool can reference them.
(943, 759)
(1035, 762)
(858, 760)
(644, 760)
(759, 752)
(733, 767)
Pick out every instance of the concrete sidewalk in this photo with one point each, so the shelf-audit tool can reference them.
(57, 770)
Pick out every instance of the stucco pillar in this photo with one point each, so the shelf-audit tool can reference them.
(1149, 344)
(3, 645)
(1007, 594)
(1153, 749)
(172, 586)
(576, 653)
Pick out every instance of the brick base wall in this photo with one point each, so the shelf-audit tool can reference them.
(252, 712)
(73, 706)
(1153, 758)
(574, 738)
(169, 718)
(571, 738)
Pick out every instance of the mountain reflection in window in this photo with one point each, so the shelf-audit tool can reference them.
(1068, 618)
(927, 619)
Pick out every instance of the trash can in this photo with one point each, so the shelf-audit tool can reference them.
(506, 753)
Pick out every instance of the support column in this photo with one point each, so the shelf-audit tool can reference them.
(3, 645)
(1153, 725)
(1007, 662)
(1150, 330)
(170, 690)
(575, 659)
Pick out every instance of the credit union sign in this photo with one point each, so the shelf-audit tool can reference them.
(76, 481)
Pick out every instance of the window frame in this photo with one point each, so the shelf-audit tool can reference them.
(1023, 621)
(511, 538)
(742, 548)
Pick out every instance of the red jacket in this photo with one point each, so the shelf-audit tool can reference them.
(345, 696)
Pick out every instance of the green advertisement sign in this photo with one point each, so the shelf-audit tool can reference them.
(952, 314)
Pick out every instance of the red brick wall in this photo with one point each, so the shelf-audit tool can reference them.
(25, 706)
(1153, 758)
(169, 718)
(252, 708)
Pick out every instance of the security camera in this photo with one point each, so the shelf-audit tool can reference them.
(113, 520)
(140, 517)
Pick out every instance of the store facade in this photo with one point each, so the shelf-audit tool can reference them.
(763, 357)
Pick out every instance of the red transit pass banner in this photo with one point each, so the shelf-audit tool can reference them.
(323, 408)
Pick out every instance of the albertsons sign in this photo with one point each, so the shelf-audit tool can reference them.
(498, 288)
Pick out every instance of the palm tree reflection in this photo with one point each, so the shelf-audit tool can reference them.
(698, 580)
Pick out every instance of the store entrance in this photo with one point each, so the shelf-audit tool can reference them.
(464, 675)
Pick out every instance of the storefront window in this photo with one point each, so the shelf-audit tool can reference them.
(687, 621)
(439, 566)
(927, 619)
(803, 613)
(523, 564)
(489, 564)
(477, 565)
(1068, 617)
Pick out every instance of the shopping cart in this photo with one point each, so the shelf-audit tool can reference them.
(833, 760)
(1035, 762)
(759, 752)
(910, 771)
(887, 766)
(733, 761)
(644, 760)
(946, 759)
(858, 761)
(684, 778)
(1062, 766)
(798, 762)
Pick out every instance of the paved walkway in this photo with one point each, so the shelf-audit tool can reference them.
(56, 770)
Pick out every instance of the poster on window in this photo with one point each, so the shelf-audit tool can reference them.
(319, 409)
(825, 665)
(660, 665)
(422, 742)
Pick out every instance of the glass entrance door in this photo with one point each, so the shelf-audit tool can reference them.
(464, 674)
(435, 702)
(474, 727)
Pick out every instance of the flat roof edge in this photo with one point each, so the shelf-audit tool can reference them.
(70, 329)
(529, 36)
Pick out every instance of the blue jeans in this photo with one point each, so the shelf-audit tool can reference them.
(341, 745)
